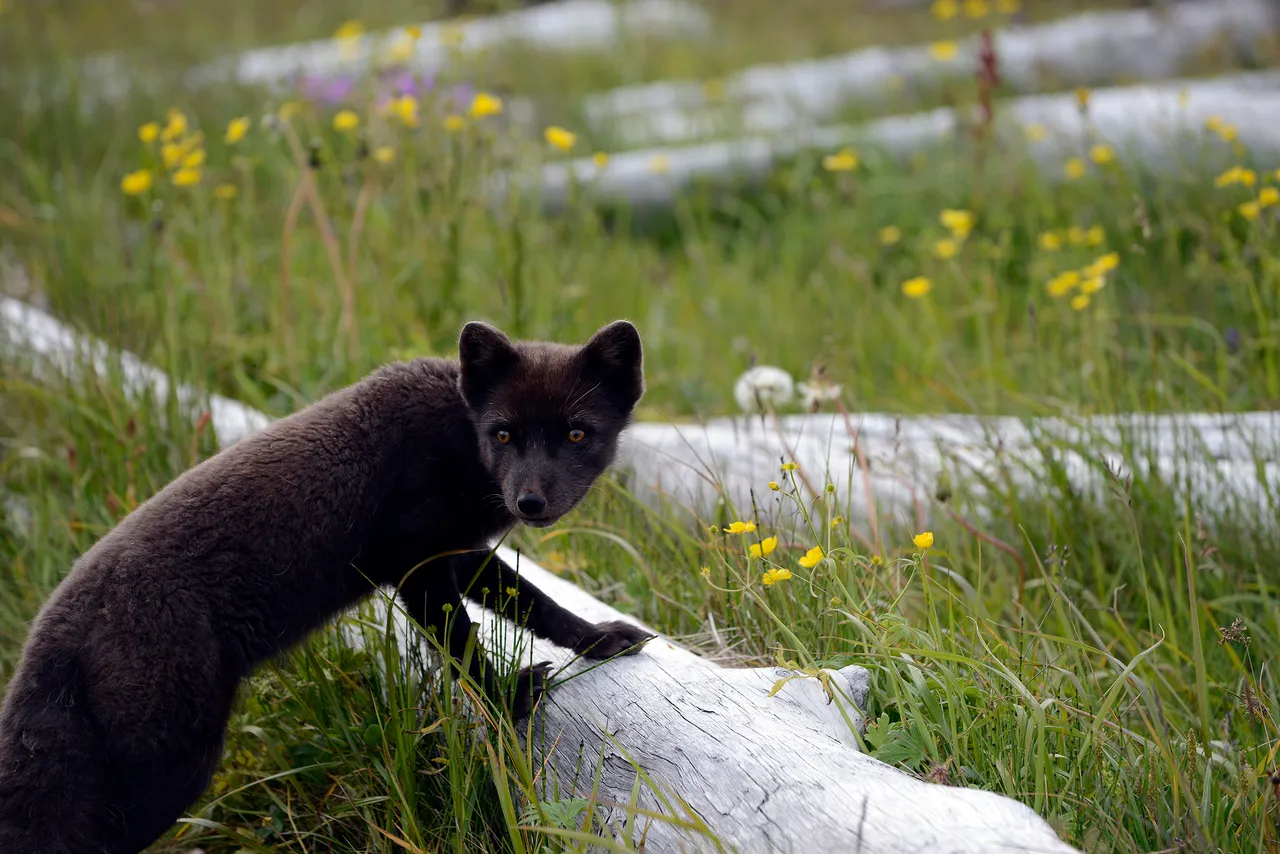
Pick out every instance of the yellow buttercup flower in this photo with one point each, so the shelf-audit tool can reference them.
(600, 159)
(917, 287)
(1093, 284)
(764, 547)
(194, 160)
(773, 576)
(773, 485)
(811, 557)
(236, 129)
(1050, 241)
(1074, 168)
(846, 160)
(1106, 263)
(484, 104)
(171, 154)
(976, 9)
(384, 154)
(351, 29)
(413, 31)
(1063, 283)
(225, 192)
(944, 51)
(1076, 235)
(175, 127)
(740, 528)
(1095, 235)
(946, 248)
(923, 541)
(1236, 175)
(1102, 154)
(406, 109)
(890, 235)
(1082, 97)
(187, 177)
(1268, 196)
(136, 183)
(958, 222)
(1249, 210)
(558, 137)
(945, 10)
(453, 124)
(346, 121)
(149, 132)
(1080, 302)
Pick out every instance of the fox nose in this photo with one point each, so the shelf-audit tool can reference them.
(531, 504)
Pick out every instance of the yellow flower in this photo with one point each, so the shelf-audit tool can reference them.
(944, 51)
(512, 591)
(773, 576)
(740, 528)
(764, 547)
(923, 541)
(659, 164)
(959, 223)
(1082, 97)
(1080, 302)
(1268, 196)
(1074, 168)
(194, 160)
(773, 485)
(600, 159)
(1093, 284)
(1236, 175)
(844, 161)
(1101, 154)
(789, 466)
(917, 287)
(1035, 132)
(175, 127)
(226, 192)
(401, 51)
(1063, 283)
(236, 129)
(149, 132)
(187, 177)
(811, 557)
(945, 10)
(384, 154)
(1096, 235)
(1249, 210)
(946, 248)
(346, 121)
(1106, 263)
(1050, 241)
(413, 31)
(484, 104)
(1226, 132)
(349, 30)
(171, 155)
(837, 522)
(136, 183)
(558, 137)
(890, 235)
(1076, 235)
(1008, 7)
(705, 572)
(976, 9)
(406, 108)
(453, 124)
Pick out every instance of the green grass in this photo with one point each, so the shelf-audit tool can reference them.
(1064, 652)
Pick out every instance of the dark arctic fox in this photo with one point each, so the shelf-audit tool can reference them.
(114, 721)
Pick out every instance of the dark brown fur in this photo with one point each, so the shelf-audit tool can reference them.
(113, 724)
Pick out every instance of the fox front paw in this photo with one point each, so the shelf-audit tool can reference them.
(616, 637)
(531, 683)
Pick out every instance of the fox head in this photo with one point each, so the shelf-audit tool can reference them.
(548, 415)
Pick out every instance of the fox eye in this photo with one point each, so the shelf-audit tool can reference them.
(576, 436)
(503, 437)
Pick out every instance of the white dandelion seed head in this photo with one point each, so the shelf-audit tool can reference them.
(763, 387)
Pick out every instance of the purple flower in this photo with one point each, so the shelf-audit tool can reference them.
(332, 90)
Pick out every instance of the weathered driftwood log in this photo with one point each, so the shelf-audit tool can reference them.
(1155, 125)
(888, 469)
(760, 773)
(1094, 48)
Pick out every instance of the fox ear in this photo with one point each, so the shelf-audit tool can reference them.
(487, 358)
(615, 356)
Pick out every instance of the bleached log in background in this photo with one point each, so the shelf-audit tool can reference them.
(1156, 126)
(1089, 49)
(761, 773)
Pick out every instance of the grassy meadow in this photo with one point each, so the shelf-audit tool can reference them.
(1105, 663)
